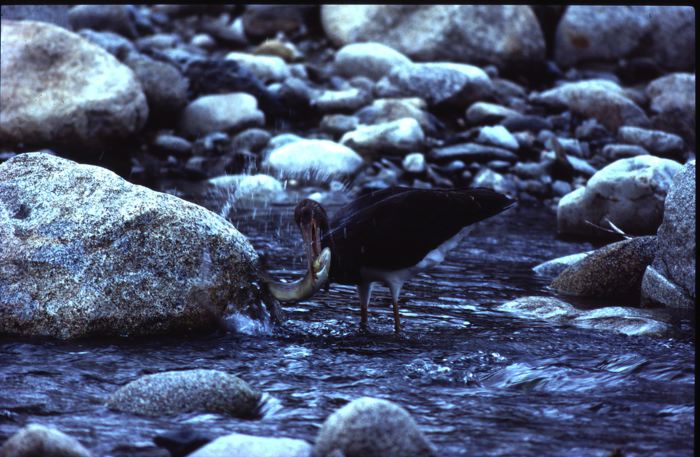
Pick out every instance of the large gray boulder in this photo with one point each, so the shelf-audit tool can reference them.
(613, 271)
(672, 102)
(239, 445)
(600, 99)
(37, 440)
(670, 279)
(174, 392)
(629, 192)
(371, 427)
(87, 253)
(612, 32)
(498, 34)
(59, 89)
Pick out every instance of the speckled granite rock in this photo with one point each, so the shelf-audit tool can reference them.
(75, 265)
(614, 271)
(371, 427)
(92, 99)
(37, 440)
(670, 279)
(174, 392)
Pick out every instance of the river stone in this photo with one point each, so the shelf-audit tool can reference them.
(392, 109)
(472, 152)
(338, 124)
(670, 279)
(655, 141)
(614, 271)
(629, 321)
(497, 135)
(373, 60)
(629, 192)
(613, 151)
(672, 99)
(484, 112)
(401, 135)
(315, 161)
(111, 42)
(239, 445)
(414, 163)
(114, 18)
(498, 34)
(267, 68)
(165, 87)
(613, 32)
(250, 189)
(438, 83)
(187, 391)
(493, 180)
(36, 440)
(347, 100)
(91, 100)
(77, 267)
(212, 113)
(371, 427)
(601, 99)
(556, 266)
(537, 307)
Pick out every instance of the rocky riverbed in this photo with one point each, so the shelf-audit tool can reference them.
(132, 136)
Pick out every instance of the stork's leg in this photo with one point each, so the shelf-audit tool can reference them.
(395, 288)
(364, 290)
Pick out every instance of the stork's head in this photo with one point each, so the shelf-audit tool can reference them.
(313, 224)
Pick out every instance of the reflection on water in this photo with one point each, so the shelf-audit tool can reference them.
(478, 381)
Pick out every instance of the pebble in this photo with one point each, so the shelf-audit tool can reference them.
(472, 152)
(613, 152)
(656, 142)
(173, 143)
(341, 100)
(484, 112)
(267, 68)
(313, 161)
(371, 59)
(526, 122)
(497, 135)
(414, 163)
(338, 124)
(395, 136)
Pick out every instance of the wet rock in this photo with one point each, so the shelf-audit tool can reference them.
(114, 18)
(165, 87)
(111, 42)
(560, 188)
(183, 441)
(250, 189)
(77, 268)
(591, 130)
(341, 100)
(173, 143)
(614, 271)
(338, 124)
(613, 152)
(496, 181)
(629, 321)
(282, 49)
(373, 60)
(556, 266)
(204, 41)
(414, 163)
(251, 140)
(672, 99)
(397, 136)
(158, 41)
(392, 109)
(497, 135)
(212, 113)
(597, 98)
(186, 391)
(528, 122)
(438, 83)
(484, 112)
(265, 21)
(588, 32)
(630, 193)
(239, 445)
(92, 99)
(502, 35)
(657, 142)
(371, 427)
(539, 308)
(316, 161)
(578, 166)
(472, 152)
(267, 68)
(38, 440)
(670, 279)
(55, 14)
(533, 170)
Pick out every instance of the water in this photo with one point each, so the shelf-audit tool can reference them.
(477, 381)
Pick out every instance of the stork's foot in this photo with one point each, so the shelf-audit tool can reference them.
(397, 319)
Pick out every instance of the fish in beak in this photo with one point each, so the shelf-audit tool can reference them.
(315, 278)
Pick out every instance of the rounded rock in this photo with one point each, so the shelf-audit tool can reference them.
(373, 60)
(212, 113)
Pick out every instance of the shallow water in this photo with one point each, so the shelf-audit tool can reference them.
(477, 381)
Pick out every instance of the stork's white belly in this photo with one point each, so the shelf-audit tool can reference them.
(395, 278)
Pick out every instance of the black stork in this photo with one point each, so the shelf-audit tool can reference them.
(387, 235)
